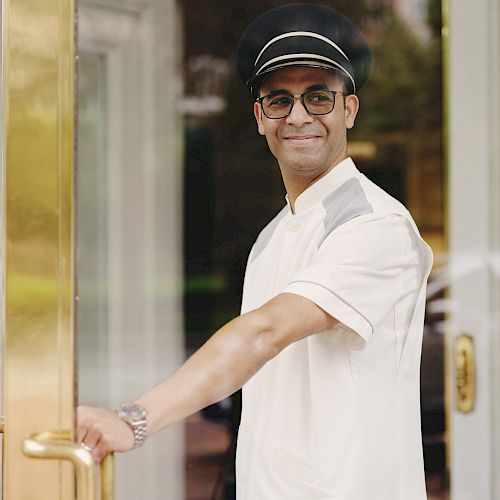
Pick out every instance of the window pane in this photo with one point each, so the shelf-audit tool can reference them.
(233, 187)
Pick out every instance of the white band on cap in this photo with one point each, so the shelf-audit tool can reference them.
(308, 60)
(301, 33)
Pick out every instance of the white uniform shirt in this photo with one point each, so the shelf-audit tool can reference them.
(336, 416)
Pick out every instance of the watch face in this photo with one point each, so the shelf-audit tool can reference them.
(133, 411)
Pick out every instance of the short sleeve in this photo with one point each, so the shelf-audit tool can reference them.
(361, 270)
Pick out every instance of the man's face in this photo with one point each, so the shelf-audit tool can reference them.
(306, 145)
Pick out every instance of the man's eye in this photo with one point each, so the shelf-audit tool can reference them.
(319, 97)
(282, 100)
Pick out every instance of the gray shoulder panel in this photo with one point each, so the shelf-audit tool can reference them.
(267, 233)
(345, 203)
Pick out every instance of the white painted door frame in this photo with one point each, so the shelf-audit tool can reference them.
(473, 87)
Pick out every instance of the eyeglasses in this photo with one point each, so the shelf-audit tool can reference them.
(278, 105)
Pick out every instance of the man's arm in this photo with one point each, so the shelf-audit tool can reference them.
(220, 367)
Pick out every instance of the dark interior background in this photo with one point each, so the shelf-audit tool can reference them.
(233, 187)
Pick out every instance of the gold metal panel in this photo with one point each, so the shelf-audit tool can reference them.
(38, 241)
(108, 478)
(465, 373)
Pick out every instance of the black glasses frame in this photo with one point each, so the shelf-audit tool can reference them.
(301, 97)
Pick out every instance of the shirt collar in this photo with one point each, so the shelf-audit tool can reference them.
(315, 193)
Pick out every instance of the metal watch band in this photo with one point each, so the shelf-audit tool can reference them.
(134, 416)
(139, 429)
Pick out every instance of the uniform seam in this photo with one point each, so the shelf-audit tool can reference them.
(338, 297)
(271, 228)
(403, 293)
(366, 210)
(400, 294)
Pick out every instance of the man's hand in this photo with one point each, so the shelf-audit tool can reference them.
(101, 432)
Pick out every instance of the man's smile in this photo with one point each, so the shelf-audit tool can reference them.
(302, 140)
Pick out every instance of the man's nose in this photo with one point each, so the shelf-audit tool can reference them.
(298, 115)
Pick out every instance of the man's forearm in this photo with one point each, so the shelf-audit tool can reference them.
(219, 368)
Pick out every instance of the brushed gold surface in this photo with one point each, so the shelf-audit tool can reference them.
(57, 446)
(38, 241)
(108, 477)
(465, 373)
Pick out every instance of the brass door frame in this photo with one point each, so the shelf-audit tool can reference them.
(38, 240)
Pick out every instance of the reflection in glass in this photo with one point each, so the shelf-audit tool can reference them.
(233, 187)
(92, 230)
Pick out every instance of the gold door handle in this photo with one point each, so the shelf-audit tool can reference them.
(58, 446)
(108, 477)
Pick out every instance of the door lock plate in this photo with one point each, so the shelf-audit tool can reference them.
(465, 373)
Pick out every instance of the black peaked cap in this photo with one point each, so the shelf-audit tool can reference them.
(303, 34)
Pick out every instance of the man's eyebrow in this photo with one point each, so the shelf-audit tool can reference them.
(316, 86)
(278, 91)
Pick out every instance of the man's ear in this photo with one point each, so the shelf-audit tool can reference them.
(257, 112)
(351, 110)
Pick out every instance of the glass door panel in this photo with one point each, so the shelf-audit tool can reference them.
(128, 225)
(233, 188)
(92, 233)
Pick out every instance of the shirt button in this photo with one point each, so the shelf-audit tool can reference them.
(293, 225)
(243, 480)
(246, 427)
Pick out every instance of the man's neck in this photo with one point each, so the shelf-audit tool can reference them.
(296, 185)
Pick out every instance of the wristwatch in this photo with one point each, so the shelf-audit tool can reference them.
(135, 416)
